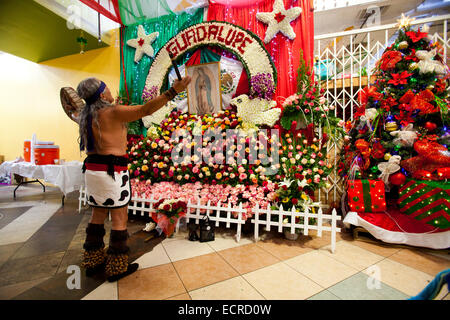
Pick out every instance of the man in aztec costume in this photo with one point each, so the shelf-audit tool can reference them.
(103, 134)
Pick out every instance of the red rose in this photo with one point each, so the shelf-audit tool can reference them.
(166, 207)
(294, 201)
(407, 97)
(175, 206)
(389, 59)
(378, 151)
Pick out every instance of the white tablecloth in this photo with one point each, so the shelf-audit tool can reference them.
(68, 176)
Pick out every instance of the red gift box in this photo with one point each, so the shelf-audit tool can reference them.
(366, 195)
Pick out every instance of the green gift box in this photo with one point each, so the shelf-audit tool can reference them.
(427, 201)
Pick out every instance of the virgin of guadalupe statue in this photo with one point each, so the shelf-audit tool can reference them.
(203, 93)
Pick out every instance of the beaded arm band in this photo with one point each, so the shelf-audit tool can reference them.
(170, 94)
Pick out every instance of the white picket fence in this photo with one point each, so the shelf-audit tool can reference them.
(292, 226)
(233, 215)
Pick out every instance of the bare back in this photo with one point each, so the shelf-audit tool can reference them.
(112, 136)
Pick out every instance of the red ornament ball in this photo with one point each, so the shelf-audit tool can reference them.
(397, 179)
(430, 126)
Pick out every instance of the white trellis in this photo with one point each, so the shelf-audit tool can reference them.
(292, 226)
(347, 60)
(82, 199)
(233, 215)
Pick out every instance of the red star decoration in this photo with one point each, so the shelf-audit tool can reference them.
(398, 79)
(416, 36)
(141, 42)
(279, 17)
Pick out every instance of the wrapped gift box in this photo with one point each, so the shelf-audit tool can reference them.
(427, 201)
(366, 195)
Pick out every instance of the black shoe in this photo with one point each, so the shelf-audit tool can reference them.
(94, 270)
(193, 236)
(131, 269)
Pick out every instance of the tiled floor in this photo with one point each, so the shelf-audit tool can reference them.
(39, 239)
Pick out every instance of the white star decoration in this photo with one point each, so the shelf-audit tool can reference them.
(279, 20)
(405, 21)
(143, 44)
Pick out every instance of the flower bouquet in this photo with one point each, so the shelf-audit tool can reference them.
(168, 211)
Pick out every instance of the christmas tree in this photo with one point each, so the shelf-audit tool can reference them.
(400, 129)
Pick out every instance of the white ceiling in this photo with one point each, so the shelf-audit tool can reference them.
(330, 15)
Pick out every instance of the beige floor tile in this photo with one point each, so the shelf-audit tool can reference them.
(184, 296)
(232, 289)
(11, 291)
(282, 248)
(380, 249)
(153, 258)
(181, 235)
(248, 258)
(443, 294)
(203, 270)
(320, 268)
(106, 291)
(315, 242)
(422, 261)
(351, 255)
(227, 241)
(401, 277)
(185, 249)
(280, 282)
(155, 283)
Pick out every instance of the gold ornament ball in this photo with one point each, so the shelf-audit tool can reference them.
(403, 45)
(391, 126)
(413, 66)
(387, 156)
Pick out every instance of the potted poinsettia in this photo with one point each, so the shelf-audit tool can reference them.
(168, 211)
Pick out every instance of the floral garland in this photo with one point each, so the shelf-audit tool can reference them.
(247, 47)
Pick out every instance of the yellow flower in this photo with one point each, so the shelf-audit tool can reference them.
(154, 145)
(160, 165)
(129, 166)
(218, 176)
(144, 168)
(305, 197)
(285, 200)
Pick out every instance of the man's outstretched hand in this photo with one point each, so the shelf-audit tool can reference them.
(181, 85)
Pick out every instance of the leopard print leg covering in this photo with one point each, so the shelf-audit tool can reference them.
(94, 252)
(117, 259)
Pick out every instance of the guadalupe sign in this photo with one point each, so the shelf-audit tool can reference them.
(245, 45)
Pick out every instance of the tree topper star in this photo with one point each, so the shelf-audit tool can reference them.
(405, 21)
(143, 44)
(279, 20)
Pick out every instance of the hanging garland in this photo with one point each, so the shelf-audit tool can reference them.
(245, 45)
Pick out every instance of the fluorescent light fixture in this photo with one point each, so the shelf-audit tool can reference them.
(323, 5)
